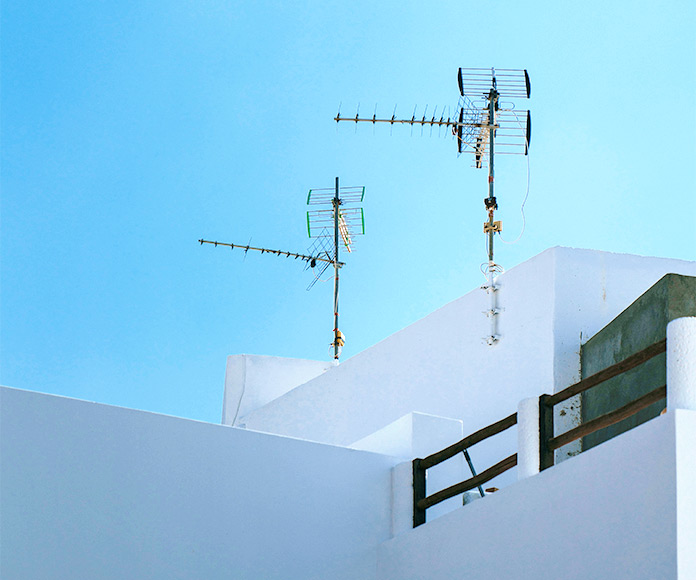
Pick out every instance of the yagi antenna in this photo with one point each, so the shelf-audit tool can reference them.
(311, 260)
(339, 224)
(483, 125)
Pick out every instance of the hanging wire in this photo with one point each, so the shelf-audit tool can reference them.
(526, 195)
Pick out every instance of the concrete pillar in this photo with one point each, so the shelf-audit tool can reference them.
(528, 437)
(681, 364)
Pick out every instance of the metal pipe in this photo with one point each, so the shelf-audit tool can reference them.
(473, 471)
(491, 205)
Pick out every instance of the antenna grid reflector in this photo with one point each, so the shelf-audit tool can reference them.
(352, 194)
(477, 82)
(512, 133)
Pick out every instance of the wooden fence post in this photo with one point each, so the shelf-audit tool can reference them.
(418, 492)
(546, 455)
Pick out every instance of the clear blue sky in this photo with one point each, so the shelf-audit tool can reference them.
(132, 129)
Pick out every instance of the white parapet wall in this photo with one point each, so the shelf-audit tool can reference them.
(624, 510)
(685, 422)
(94, 491)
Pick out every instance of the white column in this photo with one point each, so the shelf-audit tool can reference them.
(681, 364)
(528, 437)
(402, 498)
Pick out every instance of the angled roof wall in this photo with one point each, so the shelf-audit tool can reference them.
(442, 366)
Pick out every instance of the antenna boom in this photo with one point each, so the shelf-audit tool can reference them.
(431, 122)
(303, 257)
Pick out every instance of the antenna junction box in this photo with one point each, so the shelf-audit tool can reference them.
(496, 227)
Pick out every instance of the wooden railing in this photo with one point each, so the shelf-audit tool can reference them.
(422, 502)
(549, 442)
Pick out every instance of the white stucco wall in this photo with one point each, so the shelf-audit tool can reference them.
(607, 514)
(93, 491)
(440, 365)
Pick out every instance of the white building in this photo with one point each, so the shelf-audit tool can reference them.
(309, 476)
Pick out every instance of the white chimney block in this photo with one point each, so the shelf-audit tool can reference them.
(528, 437)
(681, 364)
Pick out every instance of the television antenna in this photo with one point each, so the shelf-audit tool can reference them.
(327, 226)
(332, 226)
(482, 126)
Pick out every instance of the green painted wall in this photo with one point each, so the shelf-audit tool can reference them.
(643, 323)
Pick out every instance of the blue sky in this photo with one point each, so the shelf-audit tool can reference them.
(132, 129)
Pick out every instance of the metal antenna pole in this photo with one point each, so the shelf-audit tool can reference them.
(491, 203)
(336, 202)
(347, 221)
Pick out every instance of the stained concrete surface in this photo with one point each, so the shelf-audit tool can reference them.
(643, 323)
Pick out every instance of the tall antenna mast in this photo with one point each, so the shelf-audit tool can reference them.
(347, 222)
(479, 120)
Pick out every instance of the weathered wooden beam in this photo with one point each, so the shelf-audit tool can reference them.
(418, 492)
(546, 455)
(608, 419)
(608, 373)
(468, 441)
(458, 488)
